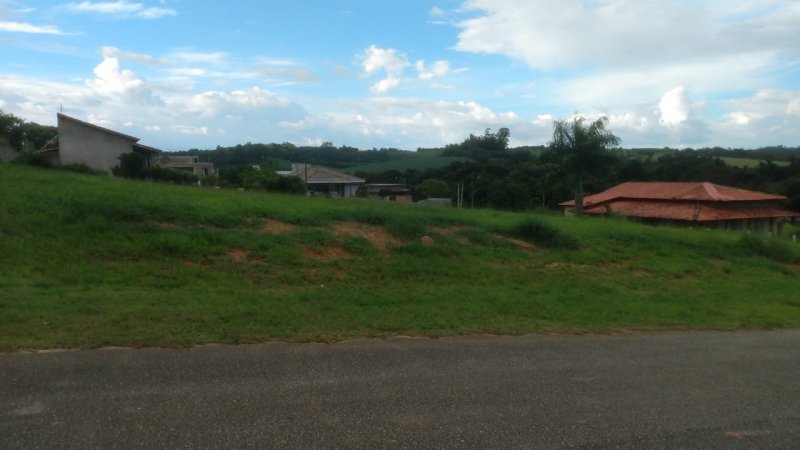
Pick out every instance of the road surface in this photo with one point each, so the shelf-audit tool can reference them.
(633, 390)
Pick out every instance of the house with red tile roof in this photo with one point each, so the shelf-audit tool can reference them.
(706, 204)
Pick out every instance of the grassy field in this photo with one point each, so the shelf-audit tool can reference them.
(747, 162)
(421, 162)
(91, 261)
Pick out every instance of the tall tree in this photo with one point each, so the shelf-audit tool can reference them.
(582, 148)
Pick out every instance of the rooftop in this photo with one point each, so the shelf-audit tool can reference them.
(676, 191)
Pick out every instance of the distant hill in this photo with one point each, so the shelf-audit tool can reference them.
(419, 162)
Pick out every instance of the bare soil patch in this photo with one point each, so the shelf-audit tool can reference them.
(518, 242)
(277, 227)
(327, 253)
(239, 254)
(377, 236)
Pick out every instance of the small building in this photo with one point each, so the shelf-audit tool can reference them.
(705, 204)
(323, 181)
(188, 163)
(393, 192)
(80, 142)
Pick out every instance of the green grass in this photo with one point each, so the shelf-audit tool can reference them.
(421, 162)
(90, 261)
(747, 162)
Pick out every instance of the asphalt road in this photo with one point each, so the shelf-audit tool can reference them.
(659, 390)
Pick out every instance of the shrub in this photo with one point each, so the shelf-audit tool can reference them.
(158, 173)
(774, 249)
(544, 235)
(79, 168)
(34, 159)
(130, 165)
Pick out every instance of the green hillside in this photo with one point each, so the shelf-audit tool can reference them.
(92, 261)
(420, 163)
(748, 162)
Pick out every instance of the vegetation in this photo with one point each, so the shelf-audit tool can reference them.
(433, 188)
(92, 261)
(21, 135)
(582, 150)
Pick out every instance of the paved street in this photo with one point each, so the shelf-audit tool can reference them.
(637, 390)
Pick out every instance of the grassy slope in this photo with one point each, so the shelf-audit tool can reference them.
(90, 261)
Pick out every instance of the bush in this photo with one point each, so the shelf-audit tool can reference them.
(130, 165)
(770, 248)
(158, 173)
(35, 159)
(79, 168)
(544, 235)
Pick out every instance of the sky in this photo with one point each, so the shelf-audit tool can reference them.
(184, 74)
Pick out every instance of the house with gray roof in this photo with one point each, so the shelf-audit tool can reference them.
(324, 181)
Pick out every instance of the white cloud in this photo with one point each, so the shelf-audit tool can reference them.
(550, 34)
(385, 85)
(121, 8)
(156, 13)
(21, 27)
(437, 69)
(375, 59)
(114, 52)
(674, 106)
(105, 7)
(637, 85)
(188, 129)
(113, 81)
(199, 57)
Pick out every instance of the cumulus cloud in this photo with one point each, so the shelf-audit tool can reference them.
(385, 85)
(437, 69)
(21, 27)
(218, 103)
(113, 81)
(121, 8)
(375, 59)
(674, 107)
(387, 60)
(550, 34)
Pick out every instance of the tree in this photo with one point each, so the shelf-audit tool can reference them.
(582, 149)
(433, 188)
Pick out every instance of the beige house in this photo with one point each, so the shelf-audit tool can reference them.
(80, 142)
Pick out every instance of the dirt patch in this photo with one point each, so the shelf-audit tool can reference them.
(447, 230)
(377, 236)
(326, 254)
(168, 225)
(277, 227)
(239, 254)
(518, 242)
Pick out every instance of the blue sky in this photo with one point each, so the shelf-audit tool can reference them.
(407, 74)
